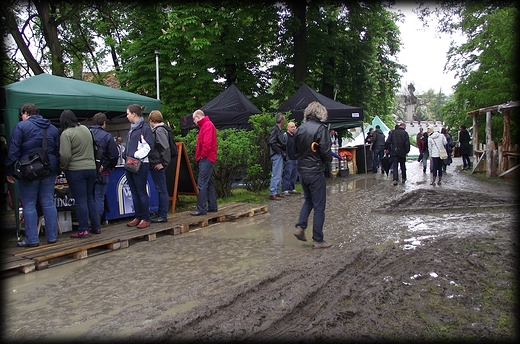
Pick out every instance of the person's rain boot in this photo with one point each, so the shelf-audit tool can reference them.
(433, 181)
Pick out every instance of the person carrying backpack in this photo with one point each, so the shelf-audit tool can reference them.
(159, 158)
(27, 136)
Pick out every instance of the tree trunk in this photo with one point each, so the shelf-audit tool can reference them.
(20, 43)
(299, 11)
(50, 32)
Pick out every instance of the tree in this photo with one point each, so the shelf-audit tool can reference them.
(60, 37)
(486, 63)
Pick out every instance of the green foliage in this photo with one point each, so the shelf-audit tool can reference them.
(258, 174)
(207, 46)
(234, 155)
(486, 63)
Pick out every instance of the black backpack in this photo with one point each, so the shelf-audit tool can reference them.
(98, 153)
(171, 142)
(37, 165)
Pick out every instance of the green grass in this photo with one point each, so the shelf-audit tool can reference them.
(239, 194)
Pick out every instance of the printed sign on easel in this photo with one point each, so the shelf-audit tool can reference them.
(179, 176)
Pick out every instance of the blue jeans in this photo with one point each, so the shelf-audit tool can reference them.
(399, 162)
(81, 185)
(100, 189)
(159, 179)
(276, 174)
(426, 155)
(207, 196)
(290, 174)
(315, 195)
(377, 156)
(137, 183)
(41, 191)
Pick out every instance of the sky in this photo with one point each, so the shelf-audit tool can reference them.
(423, 51)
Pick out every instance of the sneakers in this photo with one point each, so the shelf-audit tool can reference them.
(79, 235)
(395, 182)
(158, 219)
(322, 244)
(294, 192)
(299, 233)
(94, 231)
(24, 243)
(286, 193)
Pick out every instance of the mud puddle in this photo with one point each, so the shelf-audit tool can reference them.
(408, 261)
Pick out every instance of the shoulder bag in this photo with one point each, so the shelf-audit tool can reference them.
(37, 165)
(442, 153)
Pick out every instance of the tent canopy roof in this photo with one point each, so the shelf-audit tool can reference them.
(52, 94)
(339, 115)
(378, 121)
(230, 109)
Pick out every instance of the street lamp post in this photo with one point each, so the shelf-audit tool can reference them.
(157, 52)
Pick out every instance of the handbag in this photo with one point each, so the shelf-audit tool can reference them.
(442, 154)
(37, 165)
(132, 164)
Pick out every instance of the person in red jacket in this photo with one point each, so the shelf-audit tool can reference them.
(205, 156)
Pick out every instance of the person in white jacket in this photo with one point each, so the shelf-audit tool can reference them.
(436, 142)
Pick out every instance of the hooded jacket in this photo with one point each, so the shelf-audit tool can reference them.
(27, 137)
(309, 162)
(160, 154)
(398, 143)
(436, 141)
(378, 139)
(206, 147)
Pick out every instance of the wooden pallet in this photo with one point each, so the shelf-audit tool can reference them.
(22, 264)
(116, 237)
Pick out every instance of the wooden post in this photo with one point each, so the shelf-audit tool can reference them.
(475, 134)
(506, 141)
(490, 156)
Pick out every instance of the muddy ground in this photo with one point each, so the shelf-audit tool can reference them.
(408, 262)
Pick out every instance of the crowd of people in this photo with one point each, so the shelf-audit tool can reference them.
(301, 154)
(87, 156)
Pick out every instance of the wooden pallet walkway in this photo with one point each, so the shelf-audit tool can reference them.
(115, 237)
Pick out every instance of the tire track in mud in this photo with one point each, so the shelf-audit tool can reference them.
(446, 199)
(295, 303)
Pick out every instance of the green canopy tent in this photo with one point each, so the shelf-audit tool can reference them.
(53, 94)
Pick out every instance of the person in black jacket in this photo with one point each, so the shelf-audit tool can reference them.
(108, 146)
(376, 147)
(398, 145)
(277, 152)
(312, 142)
(290, 169)
(465, 146)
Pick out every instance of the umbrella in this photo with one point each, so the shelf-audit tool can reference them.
(386, 163)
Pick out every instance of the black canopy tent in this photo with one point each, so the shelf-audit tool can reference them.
(339, 115)
(230, 109)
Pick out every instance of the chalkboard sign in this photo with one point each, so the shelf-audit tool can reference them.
(179, 176)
